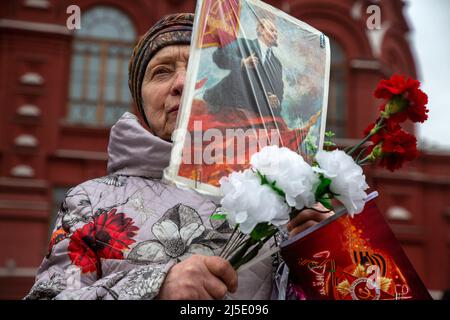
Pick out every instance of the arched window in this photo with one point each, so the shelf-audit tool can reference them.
(102, 47)
(337, 104)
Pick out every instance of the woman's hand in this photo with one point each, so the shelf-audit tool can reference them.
(308, 218)
(199, 278)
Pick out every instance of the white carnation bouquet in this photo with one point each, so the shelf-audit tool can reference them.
(280, 184)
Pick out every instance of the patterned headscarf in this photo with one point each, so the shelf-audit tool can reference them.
(171, 30)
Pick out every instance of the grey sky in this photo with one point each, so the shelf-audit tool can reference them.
(430, 24)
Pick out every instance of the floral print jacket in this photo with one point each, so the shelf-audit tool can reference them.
(116, 237)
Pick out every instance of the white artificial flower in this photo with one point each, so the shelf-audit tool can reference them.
(292, 174)
(247, 202)
(347, 178)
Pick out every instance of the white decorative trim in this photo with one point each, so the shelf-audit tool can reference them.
(32, 78)
(356, 10)
(23, 171)
(39, 4)
(24, 205)
(29, 110)
(399, 213)
(365, 64)
(26, 140)
(18, 272)
(6, 182)
(34, 26)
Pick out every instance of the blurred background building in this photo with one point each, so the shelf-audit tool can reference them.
(61, 90)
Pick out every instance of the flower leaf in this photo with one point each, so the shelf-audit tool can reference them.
(261, 231)
(249, 255)
(237, 256)
(323, 187)
(310, 144)
(272, 185)
(218, 216)
(326, 202)
(328, 142)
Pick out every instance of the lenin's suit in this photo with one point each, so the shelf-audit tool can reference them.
(246, 87)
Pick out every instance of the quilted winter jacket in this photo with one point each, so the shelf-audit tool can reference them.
(116, 237)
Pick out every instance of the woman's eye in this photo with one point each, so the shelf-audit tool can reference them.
(159, 72)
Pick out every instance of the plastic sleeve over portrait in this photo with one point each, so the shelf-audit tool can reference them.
(256, 77)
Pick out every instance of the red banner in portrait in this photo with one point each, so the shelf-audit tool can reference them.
(219, 22)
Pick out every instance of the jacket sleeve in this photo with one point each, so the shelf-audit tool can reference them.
(229, 57)
(65, 273)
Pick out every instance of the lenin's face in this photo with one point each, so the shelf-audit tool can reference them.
(162, 87)
(268, 33)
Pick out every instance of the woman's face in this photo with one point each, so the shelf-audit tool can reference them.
(162, 88)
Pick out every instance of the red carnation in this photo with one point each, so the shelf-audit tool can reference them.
(417, 111)
(106, 237)
(375, 139)
(389, 125)
(406, 100)
(369, 129)
(398, 147)
(396, 85)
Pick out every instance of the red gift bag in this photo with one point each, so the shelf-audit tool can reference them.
(345, 258)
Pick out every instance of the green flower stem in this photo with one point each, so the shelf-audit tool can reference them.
(241, 252)
(377, 127)
(365, 161)
(361, 154)
(253, 252)
(249, 256)
(239, 241)
(224, 249)
(370, 135)
(233, 246)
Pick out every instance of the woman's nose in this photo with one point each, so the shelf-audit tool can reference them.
(178, 83)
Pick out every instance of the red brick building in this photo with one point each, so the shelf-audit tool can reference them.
(61, 89)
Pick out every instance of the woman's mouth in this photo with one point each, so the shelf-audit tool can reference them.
(174, 109)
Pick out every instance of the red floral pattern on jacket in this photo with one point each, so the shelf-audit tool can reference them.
(107, 236)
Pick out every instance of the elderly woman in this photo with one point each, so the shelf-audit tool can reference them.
(129, 235)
